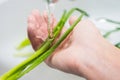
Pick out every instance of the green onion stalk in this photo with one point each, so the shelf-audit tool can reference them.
(112, 21)
(117, 45)
(23, 44)
(110, 32)
(107, 34)
(45, 50)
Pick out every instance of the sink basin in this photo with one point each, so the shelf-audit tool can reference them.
(13, 25)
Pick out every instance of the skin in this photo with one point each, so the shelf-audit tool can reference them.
(85, 52)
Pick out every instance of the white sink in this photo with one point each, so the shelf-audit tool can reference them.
(13, 24)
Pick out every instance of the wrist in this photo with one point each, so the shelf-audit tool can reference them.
(104, 65)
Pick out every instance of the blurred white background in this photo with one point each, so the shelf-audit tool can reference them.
(2, 1)
(13, 25)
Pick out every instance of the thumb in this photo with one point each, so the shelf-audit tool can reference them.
(72, 19)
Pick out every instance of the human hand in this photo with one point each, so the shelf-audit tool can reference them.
(85, 52)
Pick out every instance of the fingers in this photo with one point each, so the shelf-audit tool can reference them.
(67, 42)
(53, 24)
(37, 27)
(31, 29)
(35, 24)
(31, 22)
(72, 20)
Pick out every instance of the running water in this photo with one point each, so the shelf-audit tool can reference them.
(50, 9)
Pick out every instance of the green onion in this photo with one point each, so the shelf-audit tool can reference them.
(45, 50)
(47, 53)
(24, 54)
(112, 21)
(109, 20)
(110, 32)
(117, 45)
(23, 44)
(107, 34)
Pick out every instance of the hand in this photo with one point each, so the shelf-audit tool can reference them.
(85, 52)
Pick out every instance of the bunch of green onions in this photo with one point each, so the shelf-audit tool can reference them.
(117, 28)
(45, 50)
